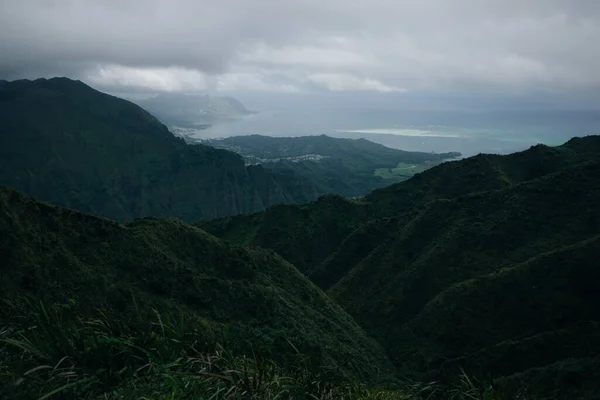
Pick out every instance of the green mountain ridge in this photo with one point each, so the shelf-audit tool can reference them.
(68, 144)
(455, 240)
(250, 299)
(399, 201)
(269, 147)
(483, 172)
(470, 264)
(350, 167)
(304, 234)
(563, 283)
(474, 279)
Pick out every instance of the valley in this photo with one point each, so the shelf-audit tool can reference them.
(136, 265)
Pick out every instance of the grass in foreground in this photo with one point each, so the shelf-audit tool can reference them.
(61, 355)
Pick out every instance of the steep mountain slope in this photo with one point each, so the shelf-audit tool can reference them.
(486, 264)
(71, 145)
(533, 314)
(348, 167)
(251, 298)
(304, 235)
(452, 241)
(400, 201)
(482, 172)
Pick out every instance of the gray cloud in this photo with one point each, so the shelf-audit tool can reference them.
(306, 45)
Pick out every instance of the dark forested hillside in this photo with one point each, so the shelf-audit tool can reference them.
(483, 172)
(348, 167)
(483, 270)
(399, 201)
(66, 143)
(486, 264)
(247, 299)
(303, 234)
(452, 241)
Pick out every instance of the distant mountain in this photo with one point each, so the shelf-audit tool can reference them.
(208, 293)
(341, 166)
(186, 110)
(69, 144)
(488, 264)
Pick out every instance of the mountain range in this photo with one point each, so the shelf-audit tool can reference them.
(250, 299)
(484, 263)
(473, 279)
(73, 146)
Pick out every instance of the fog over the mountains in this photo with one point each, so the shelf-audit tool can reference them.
(380, 46)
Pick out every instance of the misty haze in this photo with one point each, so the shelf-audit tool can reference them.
(303, 199)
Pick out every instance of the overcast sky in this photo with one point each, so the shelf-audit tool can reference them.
(306, 45)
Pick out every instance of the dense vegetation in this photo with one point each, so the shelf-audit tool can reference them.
(90, 308)
(478, 277)
(306, 234)
(66, 143)
(348, 167)
(486, 264)
(249, 301)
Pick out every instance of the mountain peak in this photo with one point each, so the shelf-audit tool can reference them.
(53, 82)
(77, 147)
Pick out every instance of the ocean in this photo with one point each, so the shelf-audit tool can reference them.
(470, 133)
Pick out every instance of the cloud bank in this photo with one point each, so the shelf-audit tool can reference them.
(306, 45)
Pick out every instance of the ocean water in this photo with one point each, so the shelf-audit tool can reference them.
(470, 133)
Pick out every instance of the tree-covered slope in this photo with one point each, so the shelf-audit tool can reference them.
(399, 201)
(485, 264)
(348, 167)
(481, 173)
(252, 299)
(66, 143)
(303, 235)
(394, 206)
(451, 241)
(526, 315)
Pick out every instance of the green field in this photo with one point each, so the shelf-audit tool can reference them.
(402, 170)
